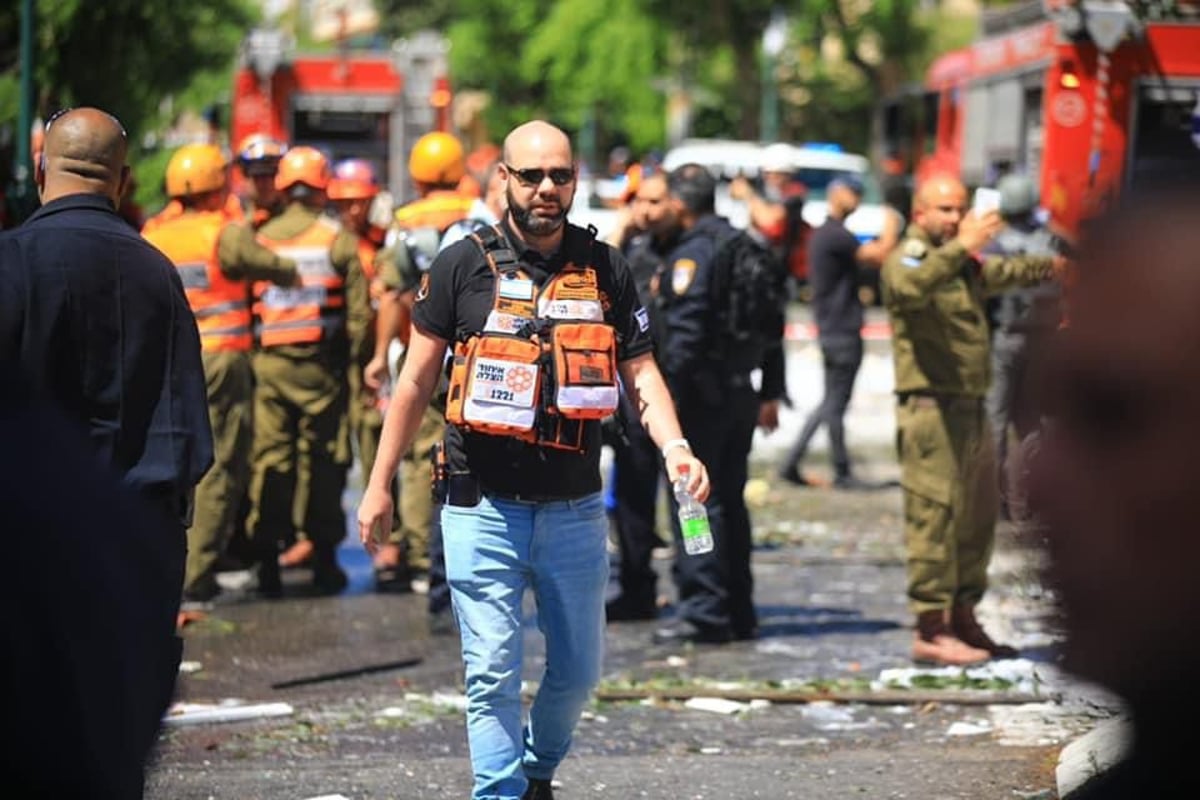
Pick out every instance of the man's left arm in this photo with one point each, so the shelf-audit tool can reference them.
(643, 383)
(656, 412)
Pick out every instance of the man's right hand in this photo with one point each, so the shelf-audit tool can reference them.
(975, 231)
(375, 373)
(374, 518)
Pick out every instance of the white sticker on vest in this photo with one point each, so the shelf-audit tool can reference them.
(294, 296)
(516, 289)
(504, 382)
(589, 310)
(499, 322)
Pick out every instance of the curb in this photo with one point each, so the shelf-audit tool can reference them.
(1092, 754)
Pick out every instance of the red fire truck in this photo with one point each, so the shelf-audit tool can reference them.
(1090, 97)
(370, 105)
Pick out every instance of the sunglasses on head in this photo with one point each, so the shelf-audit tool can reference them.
(559, 176)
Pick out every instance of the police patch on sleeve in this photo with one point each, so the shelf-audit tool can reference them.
(682, 272)
(423, 289)
(643, 319)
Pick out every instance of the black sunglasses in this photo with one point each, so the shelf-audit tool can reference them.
(559, 176)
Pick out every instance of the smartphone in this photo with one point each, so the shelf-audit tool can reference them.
(986, 201)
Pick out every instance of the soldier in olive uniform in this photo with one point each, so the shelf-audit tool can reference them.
(301, 431)
(934, 289)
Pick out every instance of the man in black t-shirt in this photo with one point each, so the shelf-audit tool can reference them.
(519, 515)
(833, 258)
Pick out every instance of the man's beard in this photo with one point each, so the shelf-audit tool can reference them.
(535, 226)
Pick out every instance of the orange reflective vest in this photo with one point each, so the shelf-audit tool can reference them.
(316, 309)
(221, 305)
(439, 209)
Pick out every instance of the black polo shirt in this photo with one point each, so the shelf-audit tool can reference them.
(455, 303)
(96, 318)
(833, 273)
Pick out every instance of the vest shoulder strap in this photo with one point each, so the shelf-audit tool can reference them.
(500, 255)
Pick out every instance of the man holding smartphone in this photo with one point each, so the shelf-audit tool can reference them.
(934, 286)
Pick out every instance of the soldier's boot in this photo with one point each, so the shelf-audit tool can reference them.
(328, 577)
(968, 629)
(936, 643)
(270, 584)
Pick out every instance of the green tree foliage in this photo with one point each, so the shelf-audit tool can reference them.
(142, 60)
(612, 79)
(125, 56)
(718, 45)
(487, 43)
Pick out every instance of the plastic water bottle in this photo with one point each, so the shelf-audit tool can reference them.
(693, 518)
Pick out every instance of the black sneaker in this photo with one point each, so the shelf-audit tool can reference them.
(539, 789)
(792, 475)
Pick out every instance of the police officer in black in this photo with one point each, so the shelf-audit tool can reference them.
(718, 405)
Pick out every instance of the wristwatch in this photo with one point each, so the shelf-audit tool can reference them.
(671, 444)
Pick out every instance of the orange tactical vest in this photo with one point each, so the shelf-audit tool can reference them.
(545, 362)
(316, 309)
(439, 209)
(221, 305)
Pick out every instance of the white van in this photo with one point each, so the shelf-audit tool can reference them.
(814, 165)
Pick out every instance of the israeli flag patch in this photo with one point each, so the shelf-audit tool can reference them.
(643, 319)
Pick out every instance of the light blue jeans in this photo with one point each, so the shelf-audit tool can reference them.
(494, 552)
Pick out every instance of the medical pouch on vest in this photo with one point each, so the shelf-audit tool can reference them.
(494, 383)
(748, 296)
(584, 376)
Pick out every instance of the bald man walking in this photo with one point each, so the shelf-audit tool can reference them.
(545, 317)
(934, 287)
(96, 320)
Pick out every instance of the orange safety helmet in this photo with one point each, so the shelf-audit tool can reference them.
(195, 169)
(259, 154)
(437, 158)
(353, 179)
(306, 165)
